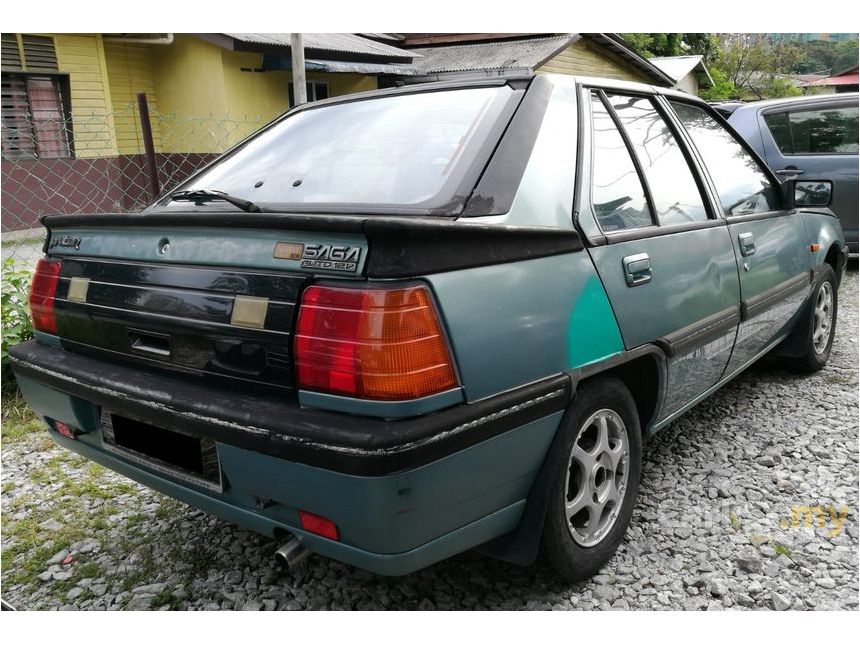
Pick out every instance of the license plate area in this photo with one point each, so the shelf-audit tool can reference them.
(182, 456)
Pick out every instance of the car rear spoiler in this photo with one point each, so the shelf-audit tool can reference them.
(399, 246)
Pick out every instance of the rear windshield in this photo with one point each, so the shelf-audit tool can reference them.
(408, 150)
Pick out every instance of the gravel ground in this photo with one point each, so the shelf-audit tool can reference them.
(713, 527)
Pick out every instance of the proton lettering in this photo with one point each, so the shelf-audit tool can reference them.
(66, 241)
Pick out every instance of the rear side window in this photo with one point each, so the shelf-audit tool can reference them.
(674, 191)
(821, 131)
(403, 150)
(744, 188)
(617, 194)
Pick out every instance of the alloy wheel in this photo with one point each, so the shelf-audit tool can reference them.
(597, 477)
(822, 325)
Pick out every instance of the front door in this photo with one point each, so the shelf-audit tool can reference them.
(668, 265)
(817, 141)
(772, 257)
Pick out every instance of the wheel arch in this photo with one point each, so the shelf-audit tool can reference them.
(835, 257)
(643, 372)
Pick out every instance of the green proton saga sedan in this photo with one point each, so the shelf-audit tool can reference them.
(390, 327)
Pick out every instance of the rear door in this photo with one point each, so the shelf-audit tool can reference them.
(770, 242)
(817, 141)
(667, 261)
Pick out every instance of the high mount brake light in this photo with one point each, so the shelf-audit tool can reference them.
(373, 343)
(42, 292)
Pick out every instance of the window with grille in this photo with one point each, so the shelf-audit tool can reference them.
(36, 123)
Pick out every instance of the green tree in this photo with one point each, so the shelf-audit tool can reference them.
(846, 55)
(825, 57)
(723, 88)
(754, 64)
(660, 44)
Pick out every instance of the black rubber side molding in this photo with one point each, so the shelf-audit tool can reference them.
(278, 427)
(752, 307)
(400, 247)
(700, 332)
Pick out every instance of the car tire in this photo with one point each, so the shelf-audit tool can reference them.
(819, 324)
(600, 461)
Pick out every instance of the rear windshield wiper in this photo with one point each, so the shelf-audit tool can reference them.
(202, 196)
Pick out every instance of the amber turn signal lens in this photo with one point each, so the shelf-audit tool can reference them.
(377, 343)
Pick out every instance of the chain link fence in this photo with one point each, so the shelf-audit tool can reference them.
(98, 163)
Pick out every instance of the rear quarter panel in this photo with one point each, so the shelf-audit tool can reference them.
(515, 323)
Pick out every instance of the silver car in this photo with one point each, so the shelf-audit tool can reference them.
(811, 136)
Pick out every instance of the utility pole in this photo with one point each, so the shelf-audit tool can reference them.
(300, 94)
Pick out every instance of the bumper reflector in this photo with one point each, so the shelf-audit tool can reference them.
(65, 430)
(318, 525)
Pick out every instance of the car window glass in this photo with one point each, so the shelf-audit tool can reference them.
(743, 186)
(617, 194)
(777, 123)
(673, 189)
(824, 131)
(395, 150)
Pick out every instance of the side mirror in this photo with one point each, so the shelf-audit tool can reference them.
(806, 192)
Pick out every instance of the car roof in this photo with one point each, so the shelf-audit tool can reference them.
(514, 78)
(730, 107)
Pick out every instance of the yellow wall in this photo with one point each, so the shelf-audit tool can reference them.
(587, 58)
(207, 103)
(129, 68)
(82, 57)
(199, 98)
(190, 86)
(255, 98)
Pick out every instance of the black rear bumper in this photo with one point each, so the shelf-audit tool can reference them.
(279, 427)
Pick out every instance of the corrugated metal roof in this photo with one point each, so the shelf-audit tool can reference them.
(389, 37)
(679, 66)
(284, 62)
(842, 79)
(343, 43)
(525, 53)
(676, 66)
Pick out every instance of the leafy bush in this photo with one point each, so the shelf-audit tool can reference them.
(16, 326)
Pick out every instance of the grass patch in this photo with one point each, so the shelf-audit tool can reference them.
(781, 549)
(19, 422)
(167, 507)
(165, 597)
(89, 570)
(735, 521)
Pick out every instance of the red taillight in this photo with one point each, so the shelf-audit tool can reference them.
(318, 525)
(372, 343)
(42, 291)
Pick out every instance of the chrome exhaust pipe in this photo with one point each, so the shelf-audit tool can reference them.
(292, 554)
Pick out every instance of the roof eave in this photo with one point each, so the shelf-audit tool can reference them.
(707, 74)
(234, 44)
(619, 45)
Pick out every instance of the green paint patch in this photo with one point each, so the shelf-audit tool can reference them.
(592, 332)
